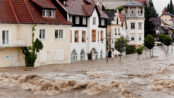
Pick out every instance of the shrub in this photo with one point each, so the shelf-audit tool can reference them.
(30, 52)
(161, 38)
(130, 49)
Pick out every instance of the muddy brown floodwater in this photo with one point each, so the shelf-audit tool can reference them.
(131, 78)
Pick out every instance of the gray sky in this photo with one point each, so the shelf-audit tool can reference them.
(160, 4)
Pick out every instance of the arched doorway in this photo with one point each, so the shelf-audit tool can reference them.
(73, 56)
(82, 55)
(94, 54)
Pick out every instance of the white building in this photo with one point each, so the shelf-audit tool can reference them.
(129, 23)
(88, 33)
(134, 12)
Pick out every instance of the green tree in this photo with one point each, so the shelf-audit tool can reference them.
(149, 42)
(120, 8)
(167, 42)
(161, 38)
(171, 7)
(150, 12)
(140, 50)
(120, 45)
(31, 51)
(130, 49)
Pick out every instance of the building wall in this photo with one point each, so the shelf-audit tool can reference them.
(89, 45)
(166, 19)
(136, 33)
(21, 35)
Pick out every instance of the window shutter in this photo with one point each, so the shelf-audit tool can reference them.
(77, 36)
(101, 35)
(93, 35)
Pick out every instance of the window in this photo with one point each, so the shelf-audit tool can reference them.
(83, 36)
(140, 37)
(139, 26)
(59, 34)
(76, 36)
(141, 10)
(82, 55)
(49, 13)
(102, 22)
(42, 34)
(117, 20)
(118, 31)
(74, 56)
(93, 35)
(70, 18)
(94, 20)
(115, 30)
(132, 25)
(5, 37)
(77, 20)
(84, 20)
(132, 38)
(101, 35)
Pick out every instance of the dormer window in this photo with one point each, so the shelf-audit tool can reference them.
(48, 13)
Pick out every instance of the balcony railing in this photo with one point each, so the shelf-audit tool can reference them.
(14, 43)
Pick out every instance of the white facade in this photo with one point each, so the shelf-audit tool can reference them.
(135, 24)
(118, 29)
(98, 48)
(133, 29)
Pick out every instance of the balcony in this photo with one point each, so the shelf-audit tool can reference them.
(14, 43)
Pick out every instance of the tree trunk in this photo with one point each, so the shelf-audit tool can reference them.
(120, 57)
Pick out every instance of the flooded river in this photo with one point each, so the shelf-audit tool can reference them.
(132, 77)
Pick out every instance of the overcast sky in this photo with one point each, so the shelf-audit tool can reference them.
(160, 4)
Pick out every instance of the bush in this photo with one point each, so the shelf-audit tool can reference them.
(130, 49)
(161, 38)
(140, 50)
(159, 44)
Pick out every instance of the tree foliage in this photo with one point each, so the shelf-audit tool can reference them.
(130, 49)
(120, 8)
(170, 7)
(150, 12)
(167, 40)
(120, 44)
(30, 52)
(161, 38)
(140, 50)
(149, 42)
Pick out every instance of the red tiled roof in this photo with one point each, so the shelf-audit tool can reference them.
(25, 12)
(143, 1)
(7, 15)
(43, 4)
(81, 8)
(88, 9)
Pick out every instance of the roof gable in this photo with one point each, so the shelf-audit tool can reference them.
(25, 12)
